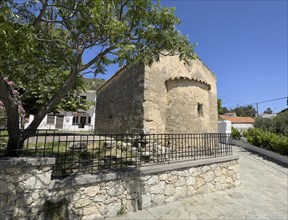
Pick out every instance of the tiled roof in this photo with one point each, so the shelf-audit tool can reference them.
(236, 120)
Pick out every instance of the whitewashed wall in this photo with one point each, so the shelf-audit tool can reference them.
(224, 127)
(68, 117)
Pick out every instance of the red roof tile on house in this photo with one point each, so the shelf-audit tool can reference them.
(238, 120)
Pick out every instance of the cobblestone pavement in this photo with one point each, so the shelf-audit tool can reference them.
(263, 194)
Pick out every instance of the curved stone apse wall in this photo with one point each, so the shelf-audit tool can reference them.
(188, 105)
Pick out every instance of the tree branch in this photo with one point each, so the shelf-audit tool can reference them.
(121, 9)
(41, 14)
(94, 60)
(68, 26)
(51, 21)
(67, 86)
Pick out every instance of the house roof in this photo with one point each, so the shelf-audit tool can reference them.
(238, 120)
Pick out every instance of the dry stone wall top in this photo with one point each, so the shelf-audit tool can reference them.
(29, 192)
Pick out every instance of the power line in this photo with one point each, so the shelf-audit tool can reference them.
(265, 101)
(231, 100)
(271, 100)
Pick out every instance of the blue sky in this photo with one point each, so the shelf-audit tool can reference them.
(244, 43)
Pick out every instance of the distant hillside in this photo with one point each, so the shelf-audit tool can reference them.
(93, 84)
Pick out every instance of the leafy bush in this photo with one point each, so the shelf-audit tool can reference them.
(235, 134)
(266, 124)
(278, 125)
(267, 140)
(281, 123)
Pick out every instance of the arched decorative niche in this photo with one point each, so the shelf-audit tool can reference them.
(186, 82)
(187, 105)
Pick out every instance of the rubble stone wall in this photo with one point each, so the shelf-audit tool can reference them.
(119, 106)
(172, 91)
(162, 98)
(27, 190)
(24, 186)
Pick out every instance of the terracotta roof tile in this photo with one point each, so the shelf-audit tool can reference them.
(238, 119)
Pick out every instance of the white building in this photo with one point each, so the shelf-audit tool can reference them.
(272, 115)
(239, 123)
(71, 121)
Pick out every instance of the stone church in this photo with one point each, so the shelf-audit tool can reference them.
(168, 97)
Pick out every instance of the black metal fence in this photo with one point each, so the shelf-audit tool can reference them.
(89, 153)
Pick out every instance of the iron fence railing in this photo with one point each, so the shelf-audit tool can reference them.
(89, 153)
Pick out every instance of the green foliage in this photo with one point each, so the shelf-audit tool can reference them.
(37, 93)
(267, 140)
(268, 111)
(245, 111)
(221, 110)
(219, 106)
(278, 124)
(281, 123)
(39, 53)
(242, 111)
(43, 45)
(94, 84)
(265, 124)
(35, 63)
(235, 134)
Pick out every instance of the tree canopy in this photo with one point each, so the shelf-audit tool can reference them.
(245, 111)
(221, 109)
(242, 111)
(268, 111)
(277, 124)
(43, 44)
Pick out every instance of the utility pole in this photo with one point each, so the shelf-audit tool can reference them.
(257, 113)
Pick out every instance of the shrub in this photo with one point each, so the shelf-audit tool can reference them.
(278, 125)
(266, 124)
(267, 140)
(281, 123)
(235, 134)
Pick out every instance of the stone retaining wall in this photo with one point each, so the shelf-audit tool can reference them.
(24, 186)
(27, 190)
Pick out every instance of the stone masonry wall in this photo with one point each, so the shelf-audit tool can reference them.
(119, 107)
(172, 92)
(23, 186)
(163, 98)
(28, 192)
(181, 110)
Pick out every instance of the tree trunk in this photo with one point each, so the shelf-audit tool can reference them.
(14, 143)
(11, 104)
(16, 135)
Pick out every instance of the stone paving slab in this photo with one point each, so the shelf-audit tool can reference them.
(263, 194)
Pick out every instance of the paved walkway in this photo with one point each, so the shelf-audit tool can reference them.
(263, 194)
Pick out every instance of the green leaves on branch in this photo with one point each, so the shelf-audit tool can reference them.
(278, 124)
(43, 44)
(267, 140)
